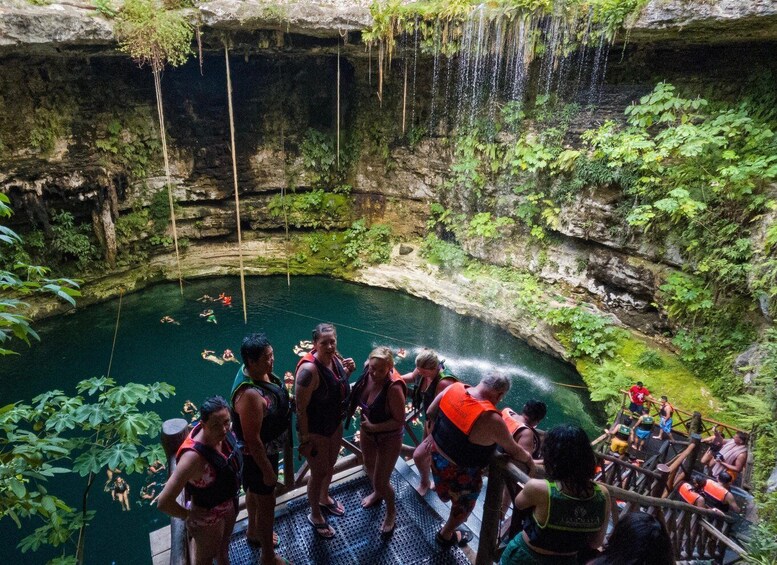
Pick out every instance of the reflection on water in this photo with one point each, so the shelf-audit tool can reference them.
(79, 346)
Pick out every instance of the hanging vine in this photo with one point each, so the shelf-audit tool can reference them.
(156, 37)
(234, 179)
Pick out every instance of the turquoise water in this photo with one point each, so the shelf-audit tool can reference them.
(78, 346)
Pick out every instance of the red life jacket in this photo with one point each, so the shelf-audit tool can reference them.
(457, 415)
(228, 470)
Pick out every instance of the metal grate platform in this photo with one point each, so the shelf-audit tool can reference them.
(357, 539)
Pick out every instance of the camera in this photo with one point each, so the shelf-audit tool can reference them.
(718, 457)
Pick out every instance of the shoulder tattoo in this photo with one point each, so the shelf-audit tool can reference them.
(304, 376)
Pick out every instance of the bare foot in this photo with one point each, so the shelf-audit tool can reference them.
(389, 522)
(423, 488)
(371, 500)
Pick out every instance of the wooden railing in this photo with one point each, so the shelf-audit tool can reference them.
(683, 419)
(695, 533)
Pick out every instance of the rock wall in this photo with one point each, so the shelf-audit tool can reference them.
(78, 133)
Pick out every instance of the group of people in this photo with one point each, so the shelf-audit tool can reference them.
(237, 443)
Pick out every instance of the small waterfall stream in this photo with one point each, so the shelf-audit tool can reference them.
(498, 56)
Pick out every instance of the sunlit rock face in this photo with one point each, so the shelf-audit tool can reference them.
(700, 21)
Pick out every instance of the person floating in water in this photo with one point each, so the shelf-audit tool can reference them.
(190, 411)
(120, 492)
(208, 315)
(149, 493)
(206, 298)
(229, 356)
(156, 467)
(288, 380)
(303, 347)
(225, 299)
(208, 355)
(401, 353)
(169, 320)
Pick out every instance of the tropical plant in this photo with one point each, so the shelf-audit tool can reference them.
(102, 426)
(20, 280)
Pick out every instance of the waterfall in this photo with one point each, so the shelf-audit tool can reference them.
(499, 54)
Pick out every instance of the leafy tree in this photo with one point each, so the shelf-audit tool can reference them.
(19, 280)
(102, 426)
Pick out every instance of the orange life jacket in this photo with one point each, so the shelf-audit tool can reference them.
(715, 495)
(689, 495)
(514, 425)
(458, 413)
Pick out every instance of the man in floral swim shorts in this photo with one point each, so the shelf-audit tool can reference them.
(467, 429)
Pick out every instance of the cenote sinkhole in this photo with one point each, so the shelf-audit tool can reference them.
(77, 346)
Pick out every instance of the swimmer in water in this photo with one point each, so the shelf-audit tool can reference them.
(208, 355)
(229, 356)
(169, 320)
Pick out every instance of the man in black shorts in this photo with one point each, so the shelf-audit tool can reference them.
(260, 420)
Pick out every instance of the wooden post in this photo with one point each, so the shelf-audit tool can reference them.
(660, 484)
(695, 426)
(693, 456)
(489, 528)
(174, 433)
(288, 459)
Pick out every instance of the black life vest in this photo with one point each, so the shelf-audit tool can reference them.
(277, 412)
(229, 470)
(377, 412)
(329, 402)
(422, 399)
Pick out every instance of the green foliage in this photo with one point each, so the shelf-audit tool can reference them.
(482, 225)
(440, 23)
(71, 241)
(159, 210)
(762, 546)
(587, 334)
(605, 382)
(19, 280)
(448, 256)
(650, 359)
(102, 426)
(612, 15)
(319, 158)
(685, 297)
(48, 125)
(365, 245)
(313, 209)
(152, 36)
(700, 177)
(129, 140)
(106, 8)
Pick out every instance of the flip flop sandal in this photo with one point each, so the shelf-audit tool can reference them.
(321, 529)
(335, 509)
